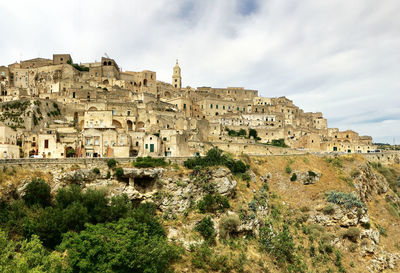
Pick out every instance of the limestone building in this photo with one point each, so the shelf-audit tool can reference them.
(56, 108)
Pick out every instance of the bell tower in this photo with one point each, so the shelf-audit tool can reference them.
(176, 76)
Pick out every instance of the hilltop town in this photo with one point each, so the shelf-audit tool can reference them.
(55, 108)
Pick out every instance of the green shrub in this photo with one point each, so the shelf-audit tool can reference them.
(108, 176)
(293, 177)
(280, 245)
(346, 199)
(96, 170)
(336, 161)
(119, 172)
(352, 233)
(206, 228)
(228, 225)
(214, 157)
(288, 170)
(149, 162)
(124, 246)
(67, 196)
(329, 210)
(37, 192)
(312, 174)
(246, 177)
(279, 143)
(111, 163)
(212, 203)
(354, 173)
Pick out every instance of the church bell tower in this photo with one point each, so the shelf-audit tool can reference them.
(176, 76)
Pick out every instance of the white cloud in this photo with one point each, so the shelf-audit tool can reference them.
(338, 57)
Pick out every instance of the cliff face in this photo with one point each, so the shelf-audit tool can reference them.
(287, 214)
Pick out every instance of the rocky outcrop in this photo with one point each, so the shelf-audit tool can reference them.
(341, 216)
(383, 260)
(308, 177)
(179, 194)
(369, 184)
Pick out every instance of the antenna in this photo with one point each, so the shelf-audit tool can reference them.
(105, 54)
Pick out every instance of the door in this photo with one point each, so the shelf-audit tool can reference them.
(151, 148)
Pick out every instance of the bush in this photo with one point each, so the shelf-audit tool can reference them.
(214, 157)
(352, 233)
(206, 228)
(212, 203)
(346, 199)
(253, 133)
(67, 196)
(96, 170)
(149, 162)
(312, 174)
(280, 245)
(119, 172)
(125, 246)
(111, 163)
(246, 177)
(329, 209)
(336, 161)
(354, 173)
(288, 170)
(37, 192)
(294, 177)
(228, 225)
(279, 143)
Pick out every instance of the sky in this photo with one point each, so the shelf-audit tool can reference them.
(338, 57)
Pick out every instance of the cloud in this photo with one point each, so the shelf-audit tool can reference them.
(337, 57)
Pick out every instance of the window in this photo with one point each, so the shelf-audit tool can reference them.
(113, 112)
(223, 107)
(146, 146)
(184, 106)
(73, 95)
(128, 113)
(164, 139)
(216, 106)
(137, 143)
(211, 106)
(96, 142)
(46, 143)
(61, 59)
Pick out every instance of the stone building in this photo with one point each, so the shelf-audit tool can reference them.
(97, 110)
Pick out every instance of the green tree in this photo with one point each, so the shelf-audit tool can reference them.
(37, 192)
(124, 246)
(27, 256)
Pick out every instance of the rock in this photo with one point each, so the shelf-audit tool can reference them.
(225, 184)
(370, 241)
(266, 177)
(369, 184)
(382, 261)
(341, 216)
(308, 178)
(80, 176)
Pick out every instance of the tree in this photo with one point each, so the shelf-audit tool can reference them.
(253, 133)
(71, 152)
(37, 192)
(27, 256)
(124, 246)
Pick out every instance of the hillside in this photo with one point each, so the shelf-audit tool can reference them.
(272, 214)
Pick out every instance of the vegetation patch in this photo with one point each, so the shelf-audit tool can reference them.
(215, 157)
(149, 162)
(346, 199)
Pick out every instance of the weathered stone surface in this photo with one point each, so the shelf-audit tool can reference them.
(342, 216)
(369, 183)
(307, 178)
(382, 261)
